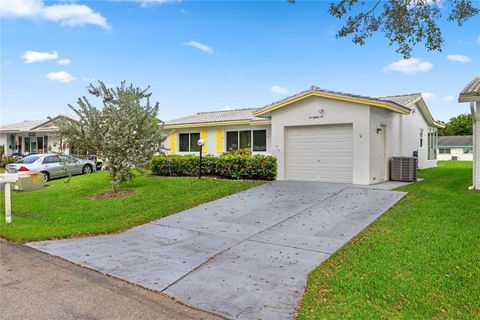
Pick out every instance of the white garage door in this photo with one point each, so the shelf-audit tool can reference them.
(319, 153)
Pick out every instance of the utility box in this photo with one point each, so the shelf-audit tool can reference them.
(29, 182)
(403, 169)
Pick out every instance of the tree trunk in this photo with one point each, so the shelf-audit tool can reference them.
(114, 175)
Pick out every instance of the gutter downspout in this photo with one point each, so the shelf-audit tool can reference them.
(475, 151)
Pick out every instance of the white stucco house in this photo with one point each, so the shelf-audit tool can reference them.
(471, 94)
(318, 134)
(31, 136)
(455, 148)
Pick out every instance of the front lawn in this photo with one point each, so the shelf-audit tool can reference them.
(420, 260)
(65, 209)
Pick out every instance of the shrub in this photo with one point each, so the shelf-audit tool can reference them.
(7, 160)
(239, 151)
(230, 166)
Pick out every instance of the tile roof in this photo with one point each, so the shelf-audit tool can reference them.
(398, 101)
(471, 90)
(217, 116)
(402, 99)
(452, 141)
(25, 125)
(314, 89)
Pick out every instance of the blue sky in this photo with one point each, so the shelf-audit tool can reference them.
(202, 56)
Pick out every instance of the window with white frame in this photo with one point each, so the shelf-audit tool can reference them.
(188, 142)
(444, 151)
(255, 140)
(432, 144)
(467, 150)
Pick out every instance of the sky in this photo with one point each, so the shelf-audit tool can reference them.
(212, 55)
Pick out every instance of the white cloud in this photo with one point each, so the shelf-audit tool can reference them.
(226, 108)
(429, 96)
(458, 58)
(279, 90)
(87, 79)
(409, 66)
(448, 98)
(199, 46)
(60, 76)
(68, 14)
(64, 61)
(37, 56)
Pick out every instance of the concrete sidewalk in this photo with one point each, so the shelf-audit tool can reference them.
(245, 256)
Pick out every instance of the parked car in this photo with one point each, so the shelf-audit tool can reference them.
(52, 165)
(17, 155)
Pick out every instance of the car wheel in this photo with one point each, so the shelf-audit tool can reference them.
(87, 169)
(46, 176)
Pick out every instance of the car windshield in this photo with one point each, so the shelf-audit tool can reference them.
(28, 159)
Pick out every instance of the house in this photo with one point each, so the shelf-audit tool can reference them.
(30, 136)
(471, 94)
(455, 148)
(318, 134)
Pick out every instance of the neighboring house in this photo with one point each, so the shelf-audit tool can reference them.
(455, 148)
(31, 136)
(471, 94)
(318, 134)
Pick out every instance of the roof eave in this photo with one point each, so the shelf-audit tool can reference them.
(386, 105)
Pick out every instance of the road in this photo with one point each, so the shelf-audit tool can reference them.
(34, 285)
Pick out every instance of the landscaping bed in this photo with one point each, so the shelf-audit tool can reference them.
(228, 166)
(420, 260)
(67, 210)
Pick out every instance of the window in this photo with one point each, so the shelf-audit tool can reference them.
(40, 145)
(28, 159)
(432, 143)
(260, 140)
(467, 150)
(255, 140)
(188, 142)
(444, 151)
(27, 144)
(51, 159)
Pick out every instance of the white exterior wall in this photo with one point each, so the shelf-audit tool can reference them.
(52, 146)
(388, 122)
(211, 140)
(412, 126)
(304, 112)
(455, 152)
(477, 147)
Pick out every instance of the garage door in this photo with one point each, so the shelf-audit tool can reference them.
(319, 153)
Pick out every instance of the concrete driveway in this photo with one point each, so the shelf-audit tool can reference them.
(245, 256)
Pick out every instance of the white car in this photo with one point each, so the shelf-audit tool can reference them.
(52, 165)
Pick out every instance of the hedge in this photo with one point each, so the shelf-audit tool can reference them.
(230, 166)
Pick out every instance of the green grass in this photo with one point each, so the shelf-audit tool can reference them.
(420, 260)
(65, 210)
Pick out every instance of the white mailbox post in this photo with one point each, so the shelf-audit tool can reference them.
(8, 178)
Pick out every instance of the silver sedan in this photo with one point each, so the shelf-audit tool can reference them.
(52, 165)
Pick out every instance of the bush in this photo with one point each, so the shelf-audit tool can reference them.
(230, 166)
(7, 160)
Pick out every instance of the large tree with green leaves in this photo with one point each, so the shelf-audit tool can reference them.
(461, 125)
(405, 23)
(125, 132)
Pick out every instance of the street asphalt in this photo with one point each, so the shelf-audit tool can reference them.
(35, 285)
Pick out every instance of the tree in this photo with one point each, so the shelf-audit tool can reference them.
(404, 22)
(461, 125)
(125, 132)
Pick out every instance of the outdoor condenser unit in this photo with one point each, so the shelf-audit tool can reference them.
(403, 169)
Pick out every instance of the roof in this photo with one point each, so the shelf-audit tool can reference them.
(455, 141)
(398, 103)
(403, 99)
(383, 102)
(25, 125)
(471, 92)
(218, 117)
(32, 125)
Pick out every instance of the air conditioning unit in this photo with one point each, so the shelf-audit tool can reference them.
(403, 169)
